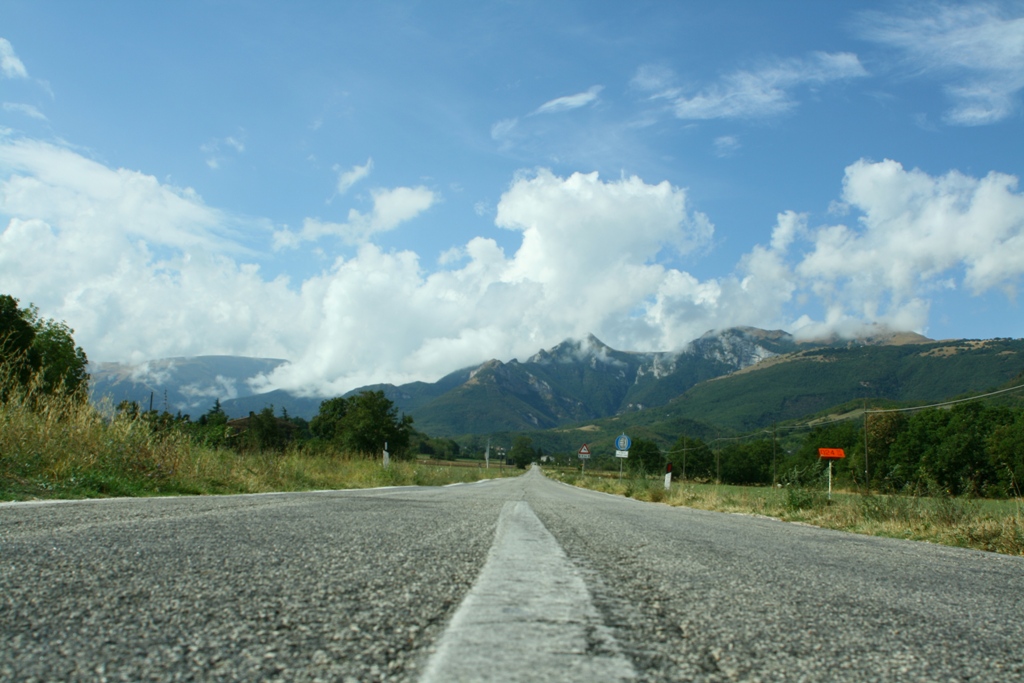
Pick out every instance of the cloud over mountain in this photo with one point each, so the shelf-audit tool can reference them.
(142, 269)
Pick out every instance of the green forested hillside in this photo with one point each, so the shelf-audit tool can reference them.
(808, 382)
(800, 386)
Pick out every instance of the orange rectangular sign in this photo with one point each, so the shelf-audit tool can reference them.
(831, 453)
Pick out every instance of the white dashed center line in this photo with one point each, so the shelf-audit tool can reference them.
(528, 616)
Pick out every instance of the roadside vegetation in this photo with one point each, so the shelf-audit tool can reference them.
(55, 444)
(949, 474)
(59, 446)
(962, 521)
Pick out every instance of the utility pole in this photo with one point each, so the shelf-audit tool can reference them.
(684, 457)
(867, 475)
(775, 477)
(718, 461)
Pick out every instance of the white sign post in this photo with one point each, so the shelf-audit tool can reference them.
(584, 454)
(831, 454)
(622, 445)
(387, 456)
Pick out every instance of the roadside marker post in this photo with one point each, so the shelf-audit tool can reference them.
(668, 476)
(584, 455)
(387, 456)
(831, 454)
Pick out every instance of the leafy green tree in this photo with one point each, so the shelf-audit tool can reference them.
(645, 457)
(266, 432)
(215, 416)
(1005, 445)
(960, 464)
(948, 450)
(883, 430)
(522, 453)
(300, 427)
(692, 459)
(921, 436)
(371, 420)
(16, 338)
(747, 463)
(211, 428)
(30, 344)
(443, 449)
(328, 423)
(63, 364)
(805, 465)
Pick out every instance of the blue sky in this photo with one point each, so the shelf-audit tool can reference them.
(390, 191)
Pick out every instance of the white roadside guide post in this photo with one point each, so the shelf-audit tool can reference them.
(831, 454)
(668, 476)
(387, 456)
(584, 453)
(622, 445)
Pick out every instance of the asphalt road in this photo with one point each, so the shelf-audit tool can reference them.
(520, 579)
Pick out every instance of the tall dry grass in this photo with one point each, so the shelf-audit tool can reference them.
(60, 446)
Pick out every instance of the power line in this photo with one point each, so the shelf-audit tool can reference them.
(944, 403)
(820, 423)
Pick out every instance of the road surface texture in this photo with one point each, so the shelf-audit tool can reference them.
(520, 579)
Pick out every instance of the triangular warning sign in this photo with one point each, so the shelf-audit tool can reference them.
(585, 450)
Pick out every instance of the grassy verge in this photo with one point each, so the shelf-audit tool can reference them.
(993, 525)
(60, 447)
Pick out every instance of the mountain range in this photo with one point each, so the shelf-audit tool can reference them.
(575, 380)
(736, 379)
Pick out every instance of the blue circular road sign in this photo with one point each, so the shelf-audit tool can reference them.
(623, 443)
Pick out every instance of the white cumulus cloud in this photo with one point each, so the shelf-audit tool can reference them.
(140, 269)
(391, 208)
(143, 270)
(916, 232)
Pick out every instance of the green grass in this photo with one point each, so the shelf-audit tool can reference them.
(59, 446)
(993, 525)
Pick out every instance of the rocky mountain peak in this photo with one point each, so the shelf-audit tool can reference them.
(590, 348)
(741, 347)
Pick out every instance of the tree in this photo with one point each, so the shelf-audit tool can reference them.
(214, 416)
(1006, 451)
(883, 430)
(328, 422)
(266, 432)
(749, 463)
(211, 428)
(695, 459)
(62, 363)
(645, 457)
(371, 420)
(16, 338)
(806, 466)
(959, 465)
(30, 344)
(522, 453)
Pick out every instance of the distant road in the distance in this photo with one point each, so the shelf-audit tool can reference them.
(520, 579)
